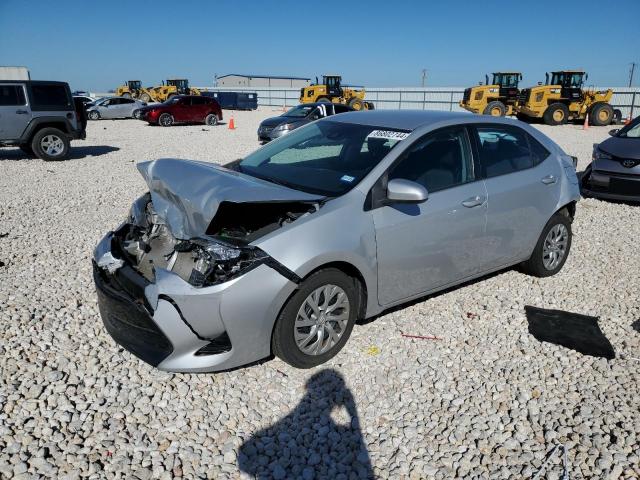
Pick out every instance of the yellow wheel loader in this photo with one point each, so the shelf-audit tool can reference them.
(564, 98)
(161, 93)
(331, 90)
(131, 89)
(497, 99)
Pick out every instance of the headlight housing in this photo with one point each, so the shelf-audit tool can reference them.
(600, 154)
(284, 127)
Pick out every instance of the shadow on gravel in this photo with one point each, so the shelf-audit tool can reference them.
(74, 154)
(308, 443)
(571, 330)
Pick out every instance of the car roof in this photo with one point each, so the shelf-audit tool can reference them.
(401, 119)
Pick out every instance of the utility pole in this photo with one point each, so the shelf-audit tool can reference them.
(424, 76)
(631, 71)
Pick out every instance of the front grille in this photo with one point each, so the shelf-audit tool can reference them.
(265, 130)
(467, 95)
(128, 321)
(624, 187)
(633, 164)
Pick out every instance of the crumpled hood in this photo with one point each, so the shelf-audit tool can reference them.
(186, 194)
(622, 147)
(275, 121)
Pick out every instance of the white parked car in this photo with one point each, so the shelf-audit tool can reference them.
(114, 107)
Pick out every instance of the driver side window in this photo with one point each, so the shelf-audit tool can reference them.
(439, 160)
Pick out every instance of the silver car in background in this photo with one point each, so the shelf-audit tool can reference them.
(114, 107)
(281, 252)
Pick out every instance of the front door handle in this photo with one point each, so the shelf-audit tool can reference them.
(549, 180)
(473, 201)
(22, 112)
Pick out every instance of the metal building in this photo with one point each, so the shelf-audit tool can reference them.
(238, 80)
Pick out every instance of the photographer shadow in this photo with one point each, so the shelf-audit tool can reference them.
(308, 443)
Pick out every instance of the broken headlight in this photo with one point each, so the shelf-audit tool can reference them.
(216, 262)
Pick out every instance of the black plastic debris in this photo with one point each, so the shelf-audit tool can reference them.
(571, 330)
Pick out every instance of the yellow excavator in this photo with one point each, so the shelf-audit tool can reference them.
(331, 90)
(563, 98)
(168, 89)
(497, 98)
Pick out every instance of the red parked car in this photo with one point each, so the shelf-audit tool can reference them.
(182, 109)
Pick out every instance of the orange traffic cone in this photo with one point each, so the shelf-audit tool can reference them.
(585, 126)
(232, 124)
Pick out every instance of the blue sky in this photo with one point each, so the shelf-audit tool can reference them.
(96, 45)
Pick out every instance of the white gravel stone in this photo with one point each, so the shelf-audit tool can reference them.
(486, 401)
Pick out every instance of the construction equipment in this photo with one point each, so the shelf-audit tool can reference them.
(168, 89)
(131, 89)
(564, 98)
(331, 90)
(497, 99)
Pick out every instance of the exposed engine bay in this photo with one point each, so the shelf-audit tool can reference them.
(224, 253)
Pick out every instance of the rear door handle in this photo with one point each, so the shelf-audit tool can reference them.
(549, 179)
(22, 112)
(473, 201)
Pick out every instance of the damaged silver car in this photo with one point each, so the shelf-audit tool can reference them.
(281, 252)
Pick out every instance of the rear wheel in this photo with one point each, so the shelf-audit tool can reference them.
(556, 114)
(211, 120)
(317, 320)
(601, 114)
(356, 104)
(495, 109)
(50, 144)
(166, 120)
(552, 248)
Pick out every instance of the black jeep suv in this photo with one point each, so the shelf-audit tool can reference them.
(40, 117)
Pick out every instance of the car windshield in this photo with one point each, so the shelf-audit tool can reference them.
(300, 111)
(630, 131)
(327, 158)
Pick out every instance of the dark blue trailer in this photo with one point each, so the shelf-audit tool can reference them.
(235, 100)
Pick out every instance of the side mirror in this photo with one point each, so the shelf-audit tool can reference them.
(614, 132)
(406, 191)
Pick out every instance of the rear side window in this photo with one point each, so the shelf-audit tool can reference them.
(503, 150)
(11, 95)
(198, 100)
(341, 108)
(126, 100)
(538, 152)
(50, 95)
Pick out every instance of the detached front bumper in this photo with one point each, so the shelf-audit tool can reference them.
(170, 324)
(611, 186)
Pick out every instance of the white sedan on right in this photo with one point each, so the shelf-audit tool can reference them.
(114, 107)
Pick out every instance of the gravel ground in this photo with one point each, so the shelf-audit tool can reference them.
(487, 400)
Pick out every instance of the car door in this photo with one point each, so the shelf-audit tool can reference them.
(15, 113)
(181, 110)
(127, 105)
(109, 109)
(523, 187)
(427, 246)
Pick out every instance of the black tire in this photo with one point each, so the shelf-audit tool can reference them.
(283, 341)
(601, 114)
(522, 117)
(145, 97)
(370, 106)
(126, 95)
(495, 109)
(556, 114)
(211, 119)
(617, 117)
(28, 151)
(93, 115)
(324, 100)
(165, 120)
(136, 114)
(535, 266)
(356, 104)
(52, 136)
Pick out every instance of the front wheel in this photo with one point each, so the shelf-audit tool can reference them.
(144, 97)
(166, 120)
(552, 248)
(495, 109)
(93, 115)
(50, 144)
(211, 120)
(356, 104)
(601, 114)
(317, 320)
(556, 114)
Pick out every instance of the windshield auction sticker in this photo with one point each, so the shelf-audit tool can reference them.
(388, 134)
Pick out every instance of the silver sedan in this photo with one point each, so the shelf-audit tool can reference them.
(114, 107)
(281, 252)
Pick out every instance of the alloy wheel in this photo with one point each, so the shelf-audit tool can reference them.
(321, 320)
(555, 246)
(52, 145)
